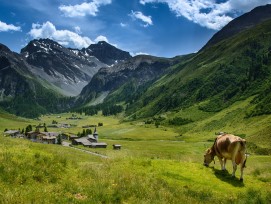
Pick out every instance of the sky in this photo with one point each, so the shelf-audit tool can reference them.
(165, 28)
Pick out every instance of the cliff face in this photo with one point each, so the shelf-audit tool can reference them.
(140, 69)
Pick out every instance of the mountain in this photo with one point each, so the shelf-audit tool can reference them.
(107, 53)
(69, 70)
(242, 23)
(137, 70)
(231, 68)
(21, 92)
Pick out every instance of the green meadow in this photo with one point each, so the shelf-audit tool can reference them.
(155, 165)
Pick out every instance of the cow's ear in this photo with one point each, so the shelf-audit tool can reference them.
(208, 151)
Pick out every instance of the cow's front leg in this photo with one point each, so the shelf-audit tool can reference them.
(224, 164)
(234, 167)
(221, 162)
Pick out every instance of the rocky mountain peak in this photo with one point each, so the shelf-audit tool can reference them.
(107, 53)
(4, 48)
(68, 69)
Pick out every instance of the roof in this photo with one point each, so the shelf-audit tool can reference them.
(91, 137)
(116, 145)
(49, 138)
(11, 131)
(55, 134)
(83, 140)
(98, 144)
(30, 132)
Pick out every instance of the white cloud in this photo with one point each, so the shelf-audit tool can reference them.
(123, 24)
(8, 27)
(142, 53)
(77, 30)
(91, 8)
(139, 15)
(64, 37)
(101, 38)
(208, 13)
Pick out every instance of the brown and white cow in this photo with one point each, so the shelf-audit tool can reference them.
(228, 147)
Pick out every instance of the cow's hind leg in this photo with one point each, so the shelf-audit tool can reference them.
(243, 165)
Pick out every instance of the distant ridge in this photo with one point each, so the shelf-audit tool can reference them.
(242, 23)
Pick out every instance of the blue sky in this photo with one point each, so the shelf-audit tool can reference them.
(157, 27)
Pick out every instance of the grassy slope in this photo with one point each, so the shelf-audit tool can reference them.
(232, 70)
(153, 168)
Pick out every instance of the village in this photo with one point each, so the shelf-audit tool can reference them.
(85, 139)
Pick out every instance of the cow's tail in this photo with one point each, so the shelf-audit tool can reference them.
(243, 145)
(244, 164)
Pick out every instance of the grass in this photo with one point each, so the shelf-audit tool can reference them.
(39, 173)
(155, 165)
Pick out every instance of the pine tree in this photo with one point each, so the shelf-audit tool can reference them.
(84, 133)
(59, 139)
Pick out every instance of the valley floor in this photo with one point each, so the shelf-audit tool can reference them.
(155, 165)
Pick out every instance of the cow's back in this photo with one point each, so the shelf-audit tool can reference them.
(229, 145)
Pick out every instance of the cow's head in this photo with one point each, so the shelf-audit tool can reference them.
(208, 157)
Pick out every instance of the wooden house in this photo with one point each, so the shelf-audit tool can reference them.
(98, 145)
(72, 137)
(49, 139)
(32, 135)
(116, 146)
(81, 141)
(11, 133)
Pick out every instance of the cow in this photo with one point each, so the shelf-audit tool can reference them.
(228, 147)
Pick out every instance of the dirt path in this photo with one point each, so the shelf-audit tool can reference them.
(66, 144)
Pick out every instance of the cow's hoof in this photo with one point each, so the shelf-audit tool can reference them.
(241, 179)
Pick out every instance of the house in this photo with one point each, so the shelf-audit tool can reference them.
(55, 134)
(91, 138)
(98, 145)
(44, 137)
(32, 135)
(81, 141)
(89, 141)
(49, 139)
(116, 146)
(64, 125)
(72, 137)
(13, 133)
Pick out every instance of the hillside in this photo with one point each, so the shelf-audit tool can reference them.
(232, 70)
(152, 167)
(242, 23)
(137, 71)
(21, 92)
